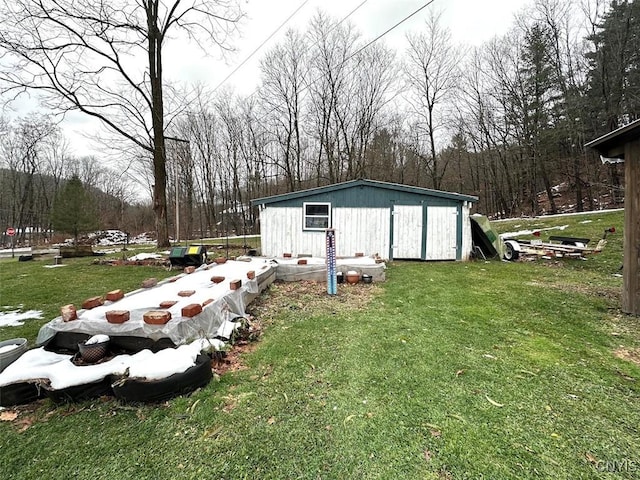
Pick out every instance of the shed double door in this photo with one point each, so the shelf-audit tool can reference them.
(411, 240)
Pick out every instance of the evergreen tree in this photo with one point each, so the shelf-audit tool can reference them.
(614, 75)
(539, 105)
(74, 210)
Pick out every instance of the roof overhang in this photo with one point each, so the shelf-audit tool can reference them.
(363, 182)
(612, 144)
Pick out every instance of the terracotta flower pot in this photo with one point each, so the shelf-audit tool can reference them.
(352, 277)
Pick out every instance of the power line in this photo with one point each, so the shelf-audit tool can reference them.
(396, 25)
(391, 28)
(264, 42)
(278, 29)
(336, 25)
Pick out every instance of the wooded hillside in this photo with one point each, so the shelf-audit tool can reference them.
(506, 121)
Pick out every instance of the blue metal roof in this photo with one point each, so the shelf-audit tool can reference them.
(363, 183)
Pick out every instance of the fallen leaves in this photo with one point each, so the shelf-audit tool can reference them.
(233, 361)
(630, 355)
(21, 423)
(191, 409)
(348, 419)
(493, 402)
(211, 432)
(457, 417)
(8, 415)
(591, 458)
(307, 296)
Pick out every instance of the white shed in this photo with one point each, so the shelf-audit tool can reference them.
(370, 217)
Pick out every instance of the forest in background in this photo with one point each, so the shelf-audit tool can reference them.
(506, 121)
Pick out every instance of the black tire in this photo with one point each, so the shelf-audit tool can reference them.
(79, 393)
(138, 391)
(510, 253)
(19, 394)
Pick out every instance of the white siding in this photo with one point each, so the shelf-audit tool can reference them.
(363, 230)
(281, 232)
(466, 232)
(407, 231)
(442, 227)
(367, 230)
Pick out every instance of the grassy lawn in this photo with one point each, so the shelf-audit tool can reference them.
(447, 370)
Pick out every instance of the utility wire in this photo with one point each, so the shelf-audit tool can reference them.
(336, 26)
(308, 85)
(264, 42)
(278, 29)
(391, 28)
(415, 12)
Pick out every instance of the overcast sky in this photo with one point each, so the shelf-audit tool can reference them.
(471, 22)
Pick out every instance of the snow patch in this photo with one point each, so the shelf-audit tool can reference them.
(97, 339)
(15, 318)
(8, 348)
(164, 363)
(60, 372)
(144, 256)
(107, 238)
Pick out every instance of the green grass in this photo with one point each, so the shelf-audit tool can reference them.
(447, 370)
(34, 287)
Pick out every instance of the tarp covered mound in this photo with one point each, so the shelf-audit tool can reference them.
(145, 362)
(221, 304)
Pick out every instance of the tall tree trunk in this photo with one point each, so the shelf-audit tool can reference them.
(159, 150)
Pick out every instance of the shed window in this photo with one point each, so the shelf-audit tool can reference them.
(317, 216)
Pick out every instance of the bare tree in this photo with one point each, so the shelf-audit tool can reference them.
(23, 150)
(432, 73)
(332, 89)
(201, 127)
(284, 74)
(87, 56)
(484, 103)
(374, 88)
